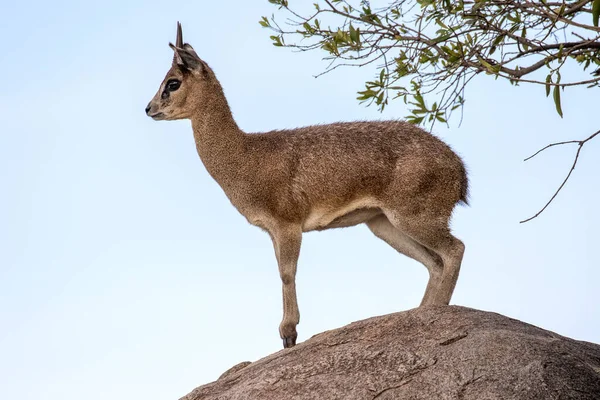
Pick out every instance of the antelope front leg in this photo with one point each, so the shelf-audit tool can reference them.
(287, 242)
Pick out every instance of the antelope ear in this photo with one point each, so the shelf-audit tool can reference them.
(188, 47)
(187, 58)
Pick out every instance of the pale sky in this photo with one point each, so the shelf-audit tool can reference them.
(125, 272)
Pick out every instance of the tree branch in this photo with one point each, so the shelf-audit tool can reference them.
(580, 144)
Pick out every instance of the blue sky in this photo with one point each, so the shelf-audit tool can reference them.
(126, 272)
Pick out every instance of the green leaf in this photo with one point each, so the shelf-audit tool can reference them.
(524, 36)
(414, 120)
(492, 69)
(560, 51)
(548, 81)
(276, 41)
(264, 22)
(419, 98)
(354, 35)
(595, 12)
(557, 100)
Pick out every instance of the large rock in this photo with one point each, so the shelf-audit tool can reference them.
(426, 353)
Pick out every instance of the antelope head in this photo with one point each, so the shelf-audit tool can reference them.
(180, 91)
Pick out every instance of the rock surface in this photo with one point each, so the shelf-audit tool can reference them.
(426, 353)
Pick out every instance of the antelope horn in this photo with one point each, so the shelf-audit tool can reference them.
(179, 42)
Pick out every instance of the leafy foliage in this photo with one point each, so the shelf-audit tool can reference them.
(427, 51)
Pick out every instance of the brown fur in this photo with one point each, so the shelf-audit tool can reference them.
(398, 179)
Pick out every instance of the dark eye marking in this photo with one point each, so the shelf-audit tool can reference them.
(172, 85)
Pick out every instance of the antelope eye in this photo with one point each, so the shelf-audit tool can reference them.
(173, 85)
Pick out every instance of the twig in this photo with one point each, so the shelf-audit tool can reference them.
(580, 144)
(550, 145)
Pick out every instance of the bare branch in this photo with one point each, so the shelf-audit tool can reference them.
(580, 144)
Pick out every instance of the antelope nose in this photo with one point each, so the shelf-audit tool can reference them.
(148, 108)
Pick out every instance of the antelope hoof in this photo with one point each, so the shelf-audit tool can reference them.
(289, 341)
(287, 331)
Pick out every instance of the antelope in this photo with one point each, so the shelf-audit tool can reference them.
(399, 180)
